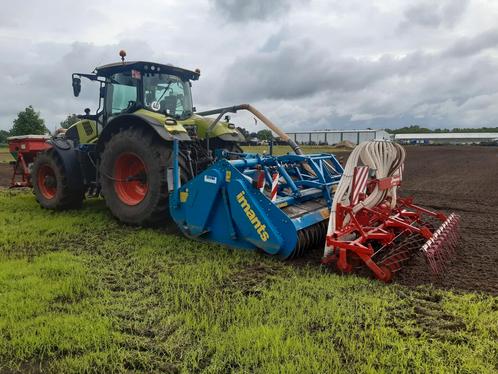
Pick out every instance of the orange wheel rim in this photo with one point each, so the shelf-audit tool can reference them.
(130, 179)
(47, 182)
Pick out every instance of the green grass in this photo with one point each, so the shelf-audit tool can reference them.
(80, 292)
(283, 149)
(5, 155)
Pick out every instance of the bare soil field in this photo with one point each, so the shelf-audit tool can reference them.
(464, 180)
(460, 179)
(5, 174)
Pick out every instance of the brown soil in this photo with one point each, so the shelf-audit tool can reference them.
(460, 179)
(5, 174)
(464, 180)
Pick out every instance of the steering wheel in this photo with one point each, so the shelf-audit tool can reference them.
(131, 104)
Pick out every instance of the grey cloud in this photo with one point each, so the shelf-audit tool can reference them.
(42, 78)
(365, 90)
(423, 14)
(434, 14)
(453, 10)
(242, 10)
(325, 64)
(300, 68)
(62, 16)
(470, 46)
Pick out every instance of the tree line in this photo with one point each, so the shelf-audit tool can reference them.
(29, 122)
(260, 135)
(415, 129)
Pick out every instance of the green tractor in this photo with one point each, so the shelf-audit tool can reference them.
(123, 151)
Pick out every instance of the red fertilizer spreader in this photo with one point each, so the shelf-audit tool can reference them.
(24, 149)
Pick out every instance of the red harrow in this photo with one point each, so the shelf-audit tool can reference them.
(369, 225)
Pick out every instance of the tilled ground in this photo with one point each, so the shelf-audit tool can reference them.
(5, 174)
(460, 179)
(464, 180)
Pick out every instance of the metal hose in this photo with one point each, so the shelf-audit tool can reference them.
(384, 158)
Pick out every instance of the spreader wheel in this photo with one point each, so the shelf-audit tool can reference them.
(50, 184)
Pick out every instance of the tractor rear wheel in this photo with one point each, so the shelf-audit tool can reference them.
(50, 184)
(133, 172)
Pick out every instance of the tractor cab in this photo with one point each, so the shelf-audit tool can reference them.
(128, 87)
(131, 86)
(156, 95)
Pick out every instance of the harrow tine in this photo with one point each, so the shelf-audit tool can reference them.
(439, 249)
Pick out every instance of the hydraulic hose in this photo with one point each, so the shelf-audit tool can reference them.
(277, 130)
(384, 160)
(233, 109)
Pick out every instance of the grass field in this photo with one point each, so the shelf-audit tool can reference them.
(80, 292)
(5, 155)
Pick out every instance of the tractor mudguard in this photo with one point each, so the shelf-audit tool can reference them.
(69, 157)
(135, 119)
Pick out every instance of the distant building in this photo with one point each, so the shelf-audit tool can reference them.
(448, 138)
(331, 137)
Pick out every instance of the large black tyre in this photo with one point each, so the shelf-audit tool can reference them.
(50, 184)
(224, 144)
(133, 174)
(234, 147)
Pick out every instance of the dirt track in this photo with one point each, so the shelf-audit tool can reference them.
(460, 179)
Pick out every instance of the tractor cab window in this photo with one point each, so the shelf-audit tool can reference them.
(121, 93)
(167, 94)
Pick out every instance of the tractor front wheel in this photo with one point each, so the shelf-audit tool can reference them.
(50, 184)
(133, 174)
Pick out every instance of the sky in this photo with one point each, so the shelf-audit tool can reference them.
(306, 64)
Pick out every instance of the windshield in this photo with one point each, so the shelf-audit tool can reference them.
(167, 94)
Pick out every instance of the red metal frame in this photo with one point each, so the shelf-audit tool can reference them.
(26, 148)
(380, 226)
(23, 172)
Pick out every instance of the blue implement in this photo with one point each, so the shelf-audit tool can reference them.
(225, 203)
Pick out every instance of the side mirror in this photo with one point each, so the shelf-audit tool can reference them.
(76, 86)
(102, 92)
(194, 109)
